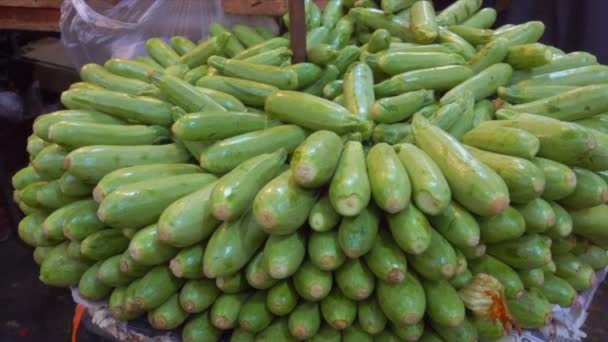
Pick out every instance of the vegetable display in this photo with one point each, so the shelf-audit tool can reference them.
(422, 177)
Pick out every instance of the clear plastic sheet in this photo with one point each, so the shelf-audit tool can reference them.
(95, 31)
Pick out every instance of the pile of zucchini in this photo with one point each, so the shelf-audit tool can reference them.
(217, 186)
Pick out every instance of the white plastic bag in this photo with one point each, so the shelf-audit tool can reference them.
(95, 31)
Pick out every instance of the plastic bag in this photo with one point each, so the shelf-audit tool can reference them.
(95, 30)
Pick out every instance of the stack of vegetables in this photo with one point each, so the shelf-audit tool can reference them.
(423, 177)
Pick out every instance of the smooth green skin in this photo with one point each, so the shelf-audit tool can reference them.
(49, 161)
(538, 214)
(350, 190)
(355, 280)
(147, 249)
(595, 257)
(332, 13)
(472, 35)
(561, 181)
(320, 54)
(232, 284)
(317, 36)
(526, 252)
(117, 301)
(87, 85)
(506, 275)
(184, 94)
(358, 90)
(337, 310)
(483, 111)
(503, 140)
(89, 287)
(35, 145)
(80, 134)
(487, 328)
(282, 298)
(438, 261)
(570, 61)
(52, 227)
(474, 185)
(182, 45)
(371, 318)
(312, 283)
(25, 177)
(408, 332)
(256, 274)
(305, 321)
(563, 222)
(40, 253)
(129, 68)
(327, 334)
(169, 315)
(49, 196)
(557, 290)
(576, 104)
(199, 55)
(439, 78)
(308, 73)
(464, 332)
(324, 251)
(225, 310)
(196, 74)
(401, 107)
(526, 94)
(142, 109)
(379, 40)
(491, 53)
(356, 234)
(231, 246)
(188, 263)
(411, 230)
(234, 192)
(59, 270)
(560, 246)
(250, 93)
(161, 52)
(98, 75)
(347, 56)
(313, 112)
(412, 47)
(389, 181)
(110, 274)
(225, 155)
(580, 275)
(92, 163)
(133, 174)
(459, 45)
(443, 303)
(44, 122)
(146, 200)
(247, 35)
(254, 315)
(28, 194)
(524, 179)
(200, 329)
(528, 56)
(462, 279)
(533, 277)
(398, 62)
(148, 61)
(314, 162)
(266, 46)
(355, 333)
(423, 22)
(392, 133)
(483, 19)
(103, 244)
(526, 33)
(188, 220)
(461, 261)
(591, 190)
(329, 74)
(579, 76)
(267, 74)
(532, 310)
(482, 85)
(198, 295)
(74, 187)
(130, 267)
(225, 100)
(450, 114)
(597, 122)
(597, 159)
(392, 6)
(82, 220)
(403, 303)
(323, 217)
(503, 227)
(281, 206)
(240, 334)
(74, 250)
(457, 225)
(333, 89)
(458, 12)
(277, 331)
(386, 260)
(283, 254)
(155, 288)
(342, 32)
(377, 19)
(233, 46)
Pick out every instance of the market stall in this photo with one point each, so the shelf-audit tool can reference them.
(377, 171)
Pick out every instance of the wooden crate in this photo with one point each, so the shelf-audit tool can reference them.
(260, 7)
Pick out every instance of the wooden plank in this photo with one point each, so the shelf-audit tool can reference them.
(31, 3)
(30, 19)
(297, 30)
(260, 7)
